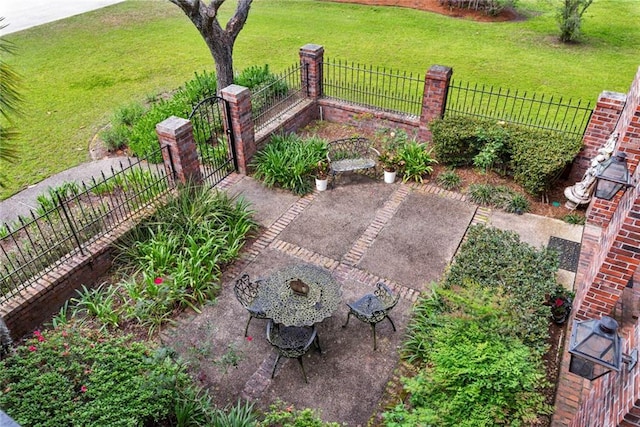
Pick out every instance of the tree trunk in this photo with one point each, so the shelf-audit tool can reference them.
(222, 51)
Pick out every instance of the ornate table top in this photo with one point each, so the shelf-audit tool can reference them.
(285, 306)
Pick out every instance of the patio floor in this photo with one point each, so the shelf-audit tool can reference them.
(364, 231)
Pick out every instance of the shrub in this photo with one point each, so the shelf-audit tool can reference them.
(536, 158)
(78, 376)
(289, 162)
(198, 88)
(128, 115)
(574, 218)
(497, 259)
(499, 196)
(282, 415)
(144, 140)
(115, 137)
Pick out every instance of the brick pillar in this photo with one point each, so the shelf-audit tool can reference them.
(181, 159)
(434, 99)
(311, 57)
(601, 124)
(239, 109)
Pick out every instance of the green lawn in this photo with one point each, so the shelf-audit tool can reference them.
(78, 70)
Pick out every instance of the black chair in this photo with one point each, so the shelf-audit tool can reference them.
(247, 293)
(374, 308)
(292, 342)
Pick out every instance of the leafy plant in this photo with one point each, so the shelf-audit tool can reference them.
(517, 203)
(449, 180)
(570, 18)
(416, 161)
(574, 218)
(389, 161)
(239, 415)
(280, 414)
(499, 196)
(80, 376)
(289, 162)
(482, 194)
(98, 303)
(498, 260)
(116, 137)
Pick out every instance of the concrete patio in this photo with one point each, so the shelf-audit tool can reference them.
(363, 231)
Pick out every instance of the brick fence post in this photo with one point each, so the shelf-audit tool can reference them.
(602, 122)
(181, 158)
(434, 99)
(311, 57)
(239, 109)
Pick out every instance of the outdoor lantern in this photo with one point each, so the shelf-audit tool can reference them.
(612, 176)
(596, 348)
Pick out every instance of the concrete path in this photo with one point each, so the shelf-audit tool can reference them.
(23, 14)
(363, 231)
(22, 203)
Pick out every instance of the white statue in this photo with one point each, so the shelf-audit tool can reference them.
(580, 192)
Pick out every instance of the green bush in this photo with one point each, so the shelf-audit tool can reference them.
(78, 376)
(116, 137)
(198, 88)
(536, 158)
(282, 415)
(289, 162)
(256, 77)
(497, 259)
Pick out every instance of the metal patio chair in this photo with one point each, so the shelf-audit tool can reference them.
(247, 293)
(292, 342)
(374, 308)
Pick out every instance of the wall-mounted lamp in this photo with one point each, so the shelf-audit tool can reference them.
(596, 348)
(612, 176)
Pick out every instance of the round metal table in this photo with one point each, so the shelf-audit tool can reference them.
(289, 308)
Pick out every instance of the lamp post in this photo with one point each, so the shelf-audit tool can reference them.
(612, 176)
(596, 348)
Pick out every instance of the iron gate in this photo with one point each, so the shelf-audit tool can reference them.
(216, 150)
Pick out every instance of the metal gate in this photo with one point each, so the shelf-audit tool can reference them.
(216, 150)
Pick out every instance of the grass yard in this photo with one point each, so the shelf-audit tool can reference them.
(78, 70)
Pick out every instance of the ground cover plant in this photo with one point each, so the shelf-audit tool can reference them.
(70, 100)
(478, 340)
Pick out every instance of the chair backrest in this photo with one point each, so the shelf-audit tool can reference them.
(246, 291)
(384, 294)
(348, 148)
(290, 341)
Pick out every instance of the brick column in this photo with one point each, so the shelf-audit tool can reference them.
(239, 109)
(181, 159)
(601, 124)
(434, 99)
(311, 57)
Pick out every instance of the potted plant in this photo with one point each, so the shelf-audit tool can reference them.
(560, 304)
(322, 175)
(390, 163)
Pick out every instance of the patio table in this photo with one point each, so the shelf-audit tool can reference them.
(285, 301)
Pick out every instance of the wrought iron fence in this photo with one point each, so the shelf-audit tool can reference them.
(377, 87)
(568, 116)
(73, 216)
(270, 101)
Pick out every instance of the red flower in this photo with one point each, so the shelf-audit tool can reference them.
(249, 338)
(32, 348)
(40, 338)
(36, 333)
(158, 280)
(559, 302)
(83, 389)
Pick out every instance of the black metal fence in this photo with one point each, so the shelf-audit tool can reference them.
(376, 87)
(270, 101)
(216, 151)
(72, 217)
(568, 116)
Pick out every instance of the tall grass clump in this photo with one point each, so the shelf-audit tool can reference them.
(289, 162)
(173, 260)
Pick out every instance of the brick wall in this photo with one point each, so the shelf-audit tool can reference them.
(333, 110)
(609, 258)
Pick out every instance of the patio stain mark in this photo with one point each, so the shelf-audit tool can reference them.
(569, 252)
